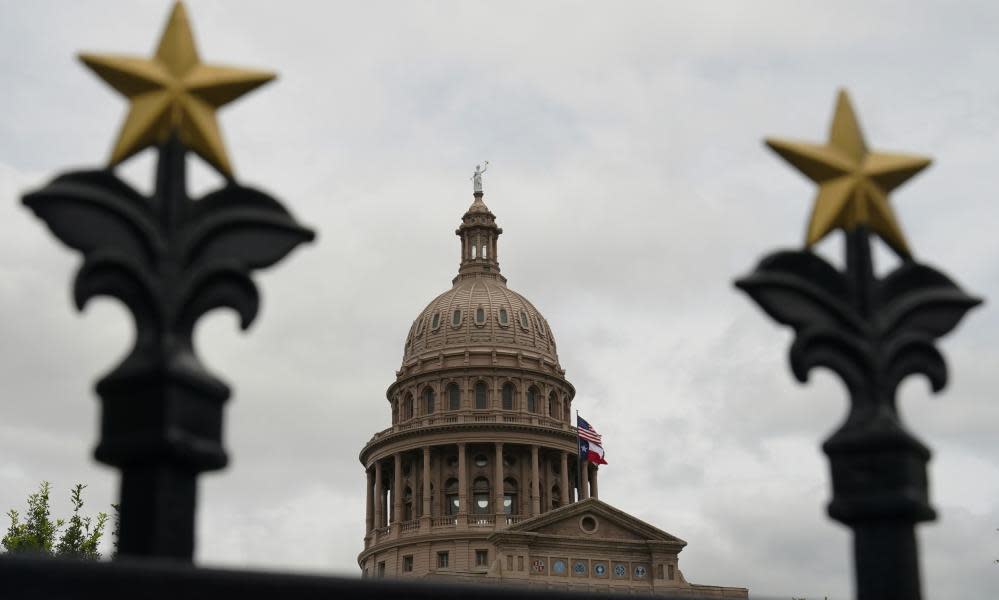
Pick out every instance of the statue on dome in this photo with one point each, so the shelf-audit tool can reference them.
(477, 178)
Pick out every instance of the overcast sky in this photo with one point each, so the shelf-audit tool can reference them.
(629, 176)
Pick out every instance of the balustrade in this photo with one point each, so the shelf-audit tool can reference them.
(481, 520)
(455, 417)
(448, 521)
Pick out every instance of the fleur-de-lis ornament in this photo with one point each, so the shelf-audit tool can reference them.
(872, 332)
(169, 259)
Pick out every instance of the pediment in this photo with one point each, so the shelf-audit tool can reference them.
(593, 519)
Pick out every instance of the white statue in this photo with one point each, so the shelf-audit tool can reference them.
(477, 178)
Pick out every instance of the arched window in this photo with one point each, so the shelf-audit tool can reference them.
(480, 395)
(480, 496)
(453, 396)
(524, 322)
(504, 318)
(407, 407)
(428, 401)
(510, 506)
(451, 496)
(507, 396)
(532, 399)
(485, 251)
(474, 250)
(552, 408)
(480, 316)
(435, 321)
(456, 318)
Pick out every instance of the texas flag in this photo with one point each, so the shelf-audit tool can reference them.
(590, 448)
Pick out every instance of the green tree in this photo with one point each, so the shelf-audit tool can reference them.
(40, 534)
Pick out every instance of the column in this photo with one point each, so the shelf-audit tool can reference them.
(498, 483)
(564, 483)
(379, 509)
(397, 489)
(593, 482)
(535, 483)
(426, 482)
(462, 480)
(369, 508)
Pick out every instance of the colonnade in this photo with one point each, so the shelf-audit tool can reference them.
(378, 515)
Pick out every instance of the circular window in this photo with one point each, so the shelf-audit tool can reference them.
(588, 524)
(481, 460)
(579, 567)
(558, 567)
(620, 570)
(640, 572)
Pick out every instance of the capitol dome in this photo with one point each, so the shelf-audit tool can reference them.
(480, 311)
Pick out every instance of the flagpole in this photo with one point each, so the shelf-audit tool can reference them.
(579, 463)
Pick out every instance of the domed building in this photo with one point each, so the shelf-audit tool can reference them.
(478, 479)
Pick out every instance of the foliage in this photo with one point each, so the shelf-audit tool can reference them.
(40, 534)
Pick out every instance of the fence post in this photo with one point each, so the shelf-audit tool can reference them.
(872, 332)
(170, 260)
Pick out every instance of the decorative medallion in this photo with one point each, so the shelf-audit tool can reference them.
(600, 569)
(640, 572)
(558, 567)
(538, 565)
(620, 570)
(579, 567)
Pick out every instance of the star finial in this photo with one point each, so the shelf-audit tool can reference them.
(853, 181)
(174, 92)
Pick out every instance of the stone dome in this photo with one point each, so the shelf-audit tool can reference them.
(480, 311)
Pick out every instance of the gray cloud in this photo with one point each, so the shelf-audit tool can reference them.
(630, 179)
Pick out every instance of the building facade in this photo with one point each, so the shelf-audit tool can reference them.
(477, 479)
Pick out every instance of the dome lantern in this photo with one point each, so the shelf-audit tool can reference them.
(479, 233)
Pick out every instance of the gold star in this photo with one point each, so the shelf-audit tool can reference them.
(174, 92)
(853, 181)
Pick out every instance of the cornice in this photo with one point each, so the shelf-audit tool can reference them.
(565, 438)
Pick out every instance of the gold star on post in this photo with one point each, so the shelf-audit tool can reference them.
(174, 92)
(853, 181)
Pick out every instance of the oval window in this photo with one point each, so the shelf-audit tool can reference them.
(435, 321)
(456, 317)
(524, 322)
(504, 319)
(480, 316)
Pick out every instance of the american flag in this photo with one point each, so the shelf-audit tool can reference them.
(587, 432)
